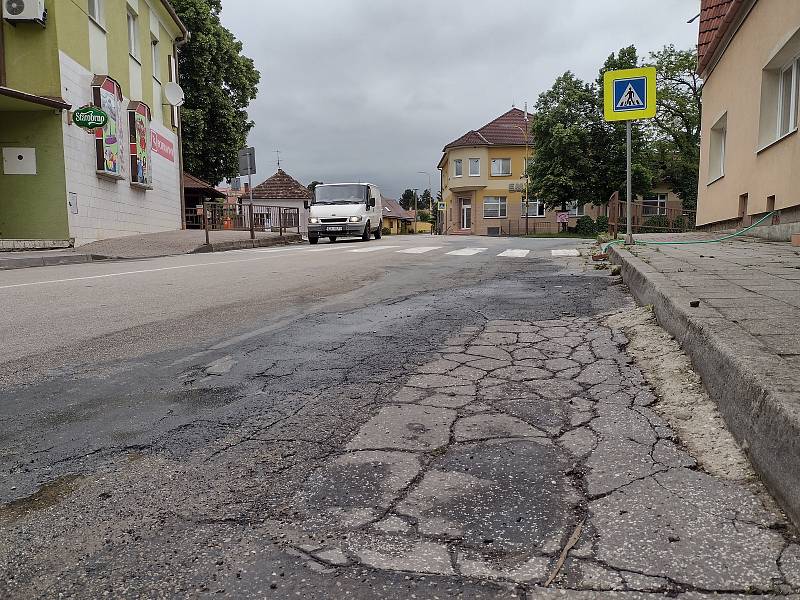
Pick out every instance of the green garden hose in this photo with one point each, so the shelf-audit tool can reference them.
(681, 242)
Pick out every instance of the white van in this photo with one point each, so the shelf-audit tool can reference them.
(345, 210)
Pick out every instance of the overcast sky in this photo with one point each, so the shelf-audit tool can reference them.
(371, 90)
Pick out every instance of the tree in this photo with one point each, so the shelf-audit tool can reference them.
(219, 83)
(407, 199)
(676, 127)
(565, 128)
(426, 200)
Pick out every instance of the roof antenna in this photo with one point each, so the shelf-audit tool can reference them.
(278, 153)
(693, 19)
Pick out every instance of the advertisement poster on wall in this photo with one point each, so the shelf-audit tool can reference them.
(107, 95)
(140, 140)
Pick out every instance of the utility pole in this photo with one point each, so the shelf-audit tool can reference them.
(430, 191)
(416, 212)
(527, 199)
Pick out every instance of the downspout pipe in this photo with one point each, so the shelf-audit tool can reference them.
(178, 44)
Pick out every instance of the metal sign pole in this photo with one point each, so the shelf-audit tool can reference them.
(628, 188)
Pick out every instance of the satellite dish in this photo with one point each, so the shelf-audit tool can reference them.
(173, 93)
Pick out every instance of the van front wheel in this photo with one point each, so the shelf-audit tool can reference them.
(365, 235)
(313, 239)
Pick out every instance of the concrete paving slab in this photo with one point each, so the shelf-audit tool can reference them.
(739, 358)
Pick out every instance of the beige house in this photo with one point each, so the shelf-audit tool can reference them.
(483, 184)
(749, 57)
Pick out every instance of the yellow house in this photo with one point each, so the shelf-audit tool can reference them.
(749, 57)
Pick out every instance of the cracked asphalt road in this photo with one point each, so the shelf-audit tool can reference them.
(443, 429)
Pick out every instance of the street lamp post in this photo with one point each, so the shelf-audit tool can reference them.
(416, 212)
(430, 191)
(525, 133)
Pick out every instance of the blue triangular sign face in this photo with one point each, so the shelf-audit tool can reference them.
(630, 99)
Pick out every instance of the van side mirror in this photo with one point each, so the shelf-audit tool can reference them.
(372, 202)
(305, 204)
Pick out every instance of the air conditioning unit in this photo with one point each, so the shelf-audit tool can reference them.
(24, 10)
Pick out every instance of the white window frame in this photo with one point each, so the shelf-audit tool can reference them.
(576, 210)
(478, 162)
(657, 201)
(156, 58)
(502, 206)
(717, 142)
(133, 35)
(458, 165)
(499, 172)
(536, 209)
(96, 12)
(783, 127)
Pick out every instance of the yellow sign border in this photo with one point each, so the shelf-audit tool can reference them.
(649, 73)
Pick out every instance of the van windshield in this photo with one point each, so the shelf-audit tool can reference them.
(340, 194)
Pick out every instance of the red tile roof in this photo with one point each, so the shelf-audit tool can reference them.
(716, 17)
(281, 187)
(395, 211)
(505, 130)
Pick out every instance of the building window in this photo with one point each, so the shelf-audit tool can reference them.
(140, 144)
(501, 167)
(494, 207)
(654, 204)
(716, 149)
(156, 60)
(575, 209)
(96, 10)
(787, 98)
(107, 94)
(535, 208)
(474, 167)
(458, 167)
(133, 35)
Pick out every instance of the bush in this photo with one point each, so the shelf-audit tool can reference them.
(680, 223)
(586, 227)
(386, 231)
(601, 224)
(655, 224)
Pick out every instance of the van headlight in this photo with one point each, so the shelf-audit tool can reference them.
(354, 219)
(313, 220)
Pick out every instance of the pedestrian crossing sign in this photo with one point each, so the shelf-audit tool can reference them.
(630, 94)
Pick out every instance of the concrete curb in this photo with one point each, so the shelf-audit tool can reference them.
(26, 262)
(245, 244)
(6, 264)
(754, 389)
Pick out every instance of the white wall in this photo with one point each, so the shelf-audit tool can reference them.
(109, 208)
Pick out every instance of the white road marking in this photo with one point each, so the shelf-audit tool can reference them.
(140, 271)
(569, 252)
(515, 253)
(467, 251)
(373, 248)
(419, 249)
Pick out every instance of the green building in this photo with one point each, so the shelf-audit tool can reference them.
(61, 184)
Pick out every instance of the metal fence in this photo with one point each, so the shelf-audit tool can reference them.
(215, 216)
(649, 217)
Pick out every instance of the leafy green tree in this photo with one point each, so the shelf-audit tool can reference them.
(407, 199)
(565, 127)
(676, 127)
(219, 82)
(426, 200)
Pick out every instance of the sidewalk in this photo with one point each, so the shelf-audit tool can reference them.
(735, 308)
(150, 245)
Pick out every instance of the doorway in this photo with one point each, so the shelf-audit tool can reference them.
(466, 213)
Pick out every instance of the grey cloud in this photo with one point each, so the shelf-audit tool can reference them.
(372, 89)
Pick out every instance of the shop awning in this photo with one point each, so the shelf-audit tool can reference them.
(16, 101)
(197, 186)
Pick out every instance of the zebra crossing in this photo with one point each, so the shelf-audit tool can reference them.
(468, 251)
